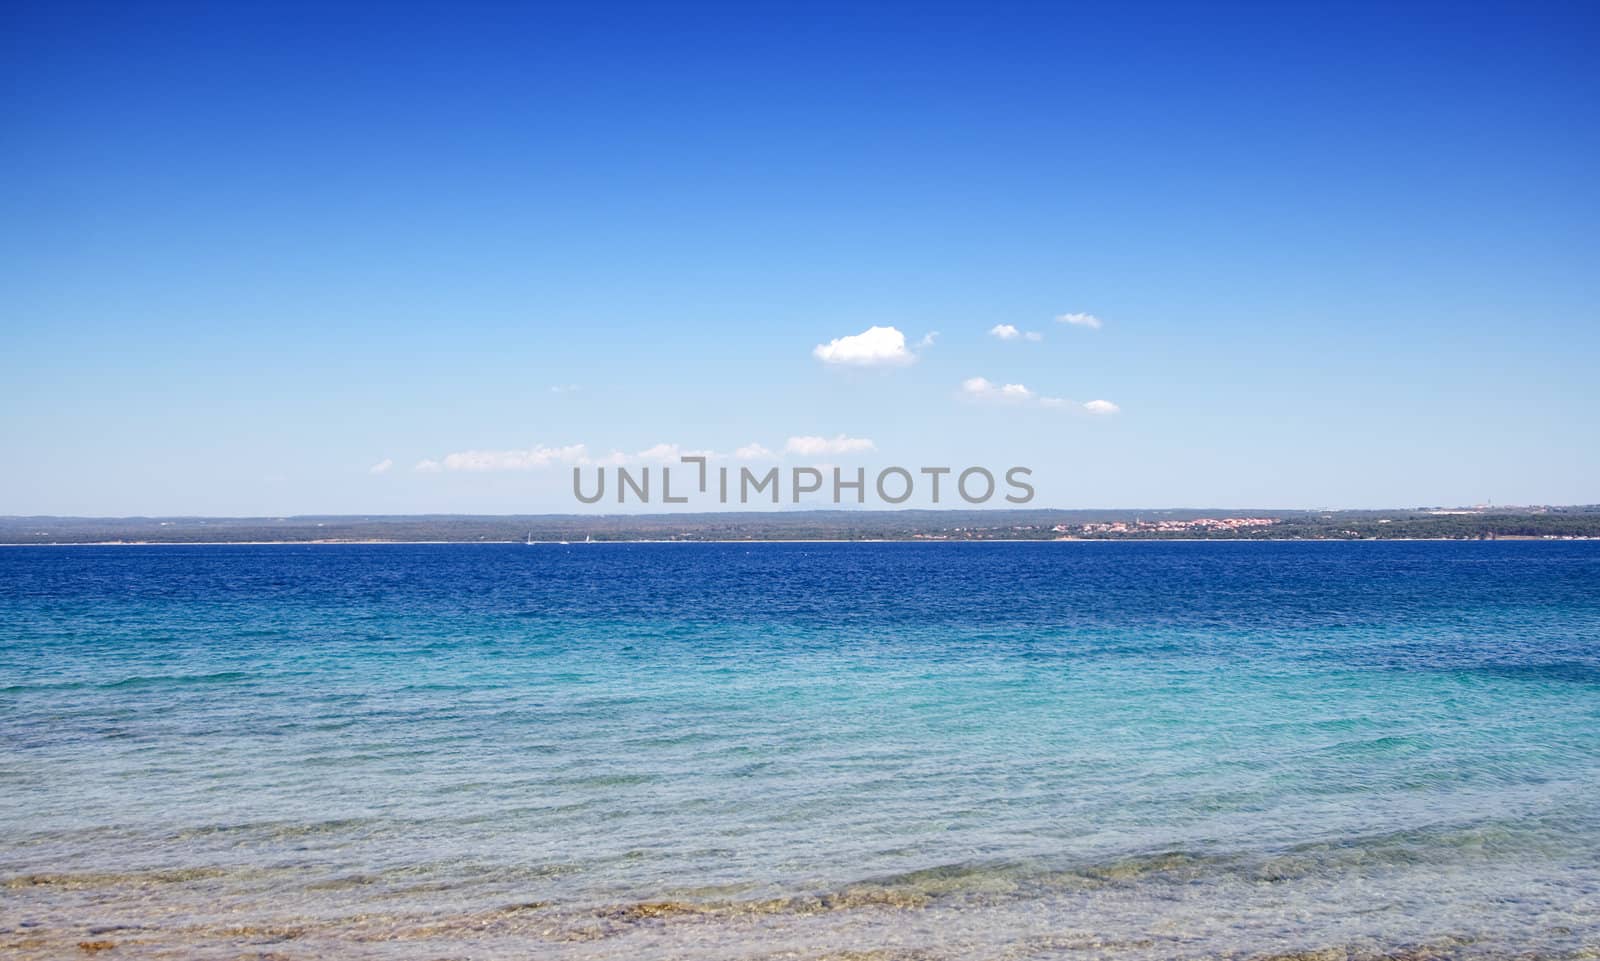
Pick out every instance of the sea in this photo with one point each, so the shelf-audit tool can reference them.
(845, 751)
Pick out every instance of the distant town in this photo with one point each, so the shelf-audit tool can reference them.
(1423, 523)
(1207, 525)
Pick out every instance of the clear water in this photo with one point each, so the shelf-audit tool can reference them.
(886, 751)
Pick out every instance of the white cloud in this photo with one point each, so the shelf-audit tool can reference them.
(873, 347)
(812, 446)
(1081, 320)
(563, 388)
(669, 453)
(381, 467)
(539, 457)
(501, 460)
(1010, 332)
(660, 452)
(984, 390)
(927, 340)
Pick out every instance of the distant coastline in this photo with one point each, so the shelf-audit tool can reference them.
(823, 526)
(1545, 539)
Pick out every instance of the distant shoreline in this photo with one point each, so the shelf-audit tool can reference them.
(822, 526)
(827, 540)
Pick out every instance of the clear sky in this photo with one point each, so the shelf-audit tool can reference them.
(1339, 256)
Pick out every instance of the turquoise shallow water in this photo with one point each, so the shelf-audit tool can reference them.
(726, 751)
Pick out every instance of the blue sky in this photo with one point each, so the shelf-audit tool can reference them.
(1342, 256)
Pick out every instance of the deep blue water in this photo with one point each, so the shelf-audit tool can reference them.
(964, 750)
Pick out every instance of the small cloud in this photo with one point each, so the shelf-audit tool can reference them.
(1010, 332)
(1101, 407)
(668, 453)
(1081, 320)
(873, 347)
(812, 446)
(660, 452)
(539, 457)
(563, 388)
(927, 340)
(505, 460)
(984, 390)
(381, 467)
